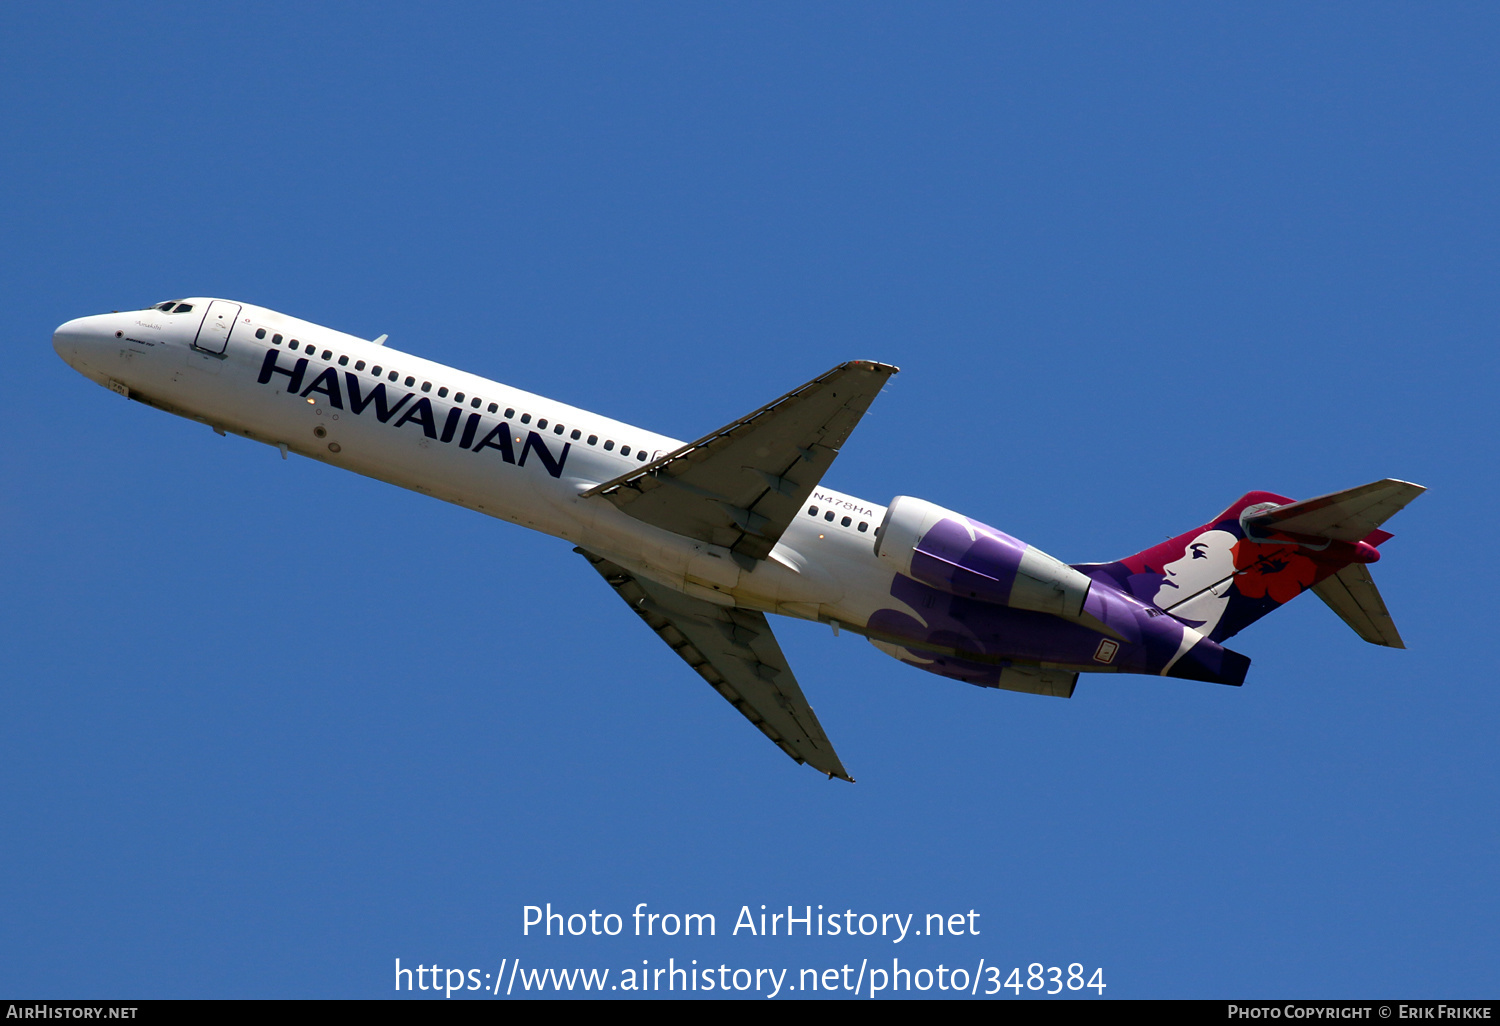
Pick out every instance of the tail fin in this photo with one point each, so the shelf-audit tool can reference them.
(1265, 550)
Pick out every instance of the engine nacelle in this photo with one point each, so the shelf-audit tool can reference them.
(950, 552)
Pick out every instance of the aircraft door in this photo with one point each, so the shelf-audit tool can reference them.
(218, 322)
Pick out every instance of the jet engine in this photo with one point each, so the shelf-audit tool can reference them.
(950, 552)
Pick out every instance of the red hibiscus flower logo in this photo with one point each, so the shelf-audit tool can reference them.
(1279, 571)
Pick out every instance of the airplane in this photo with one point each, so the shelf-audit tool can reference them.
(702, 539)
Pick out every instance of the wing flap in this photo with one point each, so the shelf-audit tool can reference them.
(736, 653)
(742, 485)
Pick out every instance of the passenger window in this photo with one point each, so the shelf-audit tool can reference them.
(828, 516)
(493, 407)
(458, 397)
(410, 381)
(624, 450)
(377, 370)
(609, 445)
(541, 425)
(509, 414)
(443, 392)
(641, 455)
(576, 435)
(426, 386)
(328, 354)
(260, 332)
(812, 511)
(275, 340)
(593, 439)
(862, 526)
(474, 402)
(559, 429)
(293, 344)
(343, 361)
(845, 522)
(360, 365)
(392, 376)
(525, 418)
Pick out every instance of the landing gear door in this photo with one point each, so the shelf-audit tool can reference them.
(218, 322)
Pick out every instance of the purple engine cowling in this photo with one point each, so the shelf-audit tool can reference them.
(995, 587)
(963, 557)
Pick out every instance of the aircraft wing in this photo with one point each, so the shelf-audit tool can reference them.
(742, 485)
(735, 651)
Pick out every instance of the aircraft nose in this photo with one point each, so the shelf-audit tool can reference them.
(71, 339)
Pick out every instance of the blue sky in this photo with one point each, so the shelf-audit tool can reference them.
(270, 726)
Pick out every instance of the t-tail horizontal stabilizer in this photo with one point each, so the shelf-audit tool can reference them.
(1353, 515)
(1347, 516)
(1352, 594)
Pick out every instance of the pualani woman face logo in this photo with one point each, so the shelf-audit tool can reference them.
(1196, 585)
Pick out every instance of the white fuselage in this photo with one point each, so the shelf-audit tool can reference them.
(544, 454)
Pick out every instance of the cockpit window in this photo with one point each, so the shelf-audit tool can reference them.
(164, 307)
(183, 307)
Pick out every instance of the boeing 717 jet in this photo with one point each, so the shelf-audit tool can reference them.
(702, 539)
